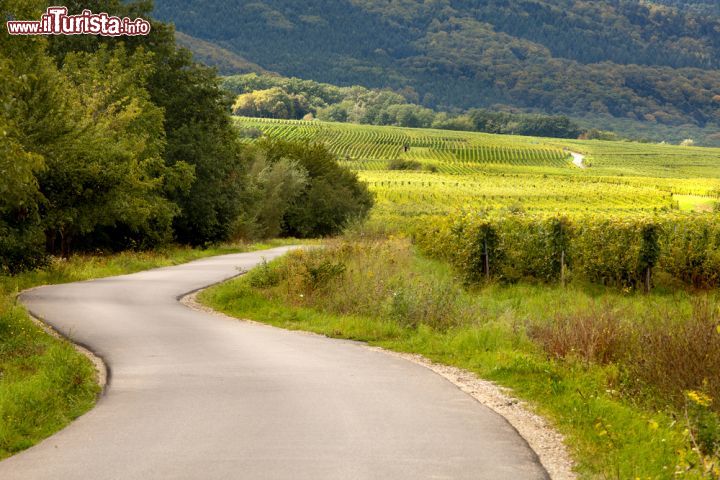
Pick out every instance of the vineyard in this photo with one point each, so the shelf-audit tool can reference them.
(365, 147)
(618, 251)
(446, 171)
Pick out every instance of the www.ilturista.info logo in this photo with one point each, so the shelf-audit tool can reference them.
(56, 21)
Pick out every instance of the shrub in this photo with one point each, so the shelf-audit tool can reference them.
(399, 164)
(21, 249)
(330, 200)
(597, 335)
(264, 276)
(673, 356)
(250, 132)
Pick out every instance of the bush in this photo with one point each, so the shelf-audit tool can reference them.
(661, 357)
(614, 251)
(399, 164)
(21, 249)
(594, 336)
(673, 355)
(250, 132)
(330, 200)
(371, 278)
(263, 276)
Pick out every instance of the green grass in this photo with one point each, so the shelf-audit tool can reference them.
(387, 297)
(367, 147)
(696, 203)
(44, 382)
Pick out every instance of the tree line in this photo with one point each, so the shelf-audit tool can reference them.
(110, 144)
(639, 62)
(272, 96)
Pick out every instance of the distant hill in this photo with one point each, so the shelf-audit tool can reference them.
(609, 62)
(225, 61)
(704, 7)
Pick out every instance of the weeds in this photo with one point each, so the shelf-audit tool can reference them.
(263, 276)
(676, 355)
(365, 278)
(597, 335)
(631, 379)
(44, 382)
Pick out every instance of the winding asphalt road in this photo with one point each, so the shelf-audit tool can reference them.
(198, 396)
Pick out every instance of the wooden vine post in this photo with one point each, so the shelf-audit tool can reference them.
(486, 259)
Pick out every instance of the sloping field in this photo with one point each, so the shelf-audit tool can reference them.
(424, 171)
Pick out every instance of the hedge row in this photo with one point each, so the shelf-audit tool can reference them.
(623, 252)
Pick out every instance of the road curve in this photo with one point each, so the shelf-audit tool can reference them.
(578, 159)
(198, 396)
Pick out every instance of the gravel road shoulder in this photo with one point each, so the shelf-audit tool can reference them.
(547, 443)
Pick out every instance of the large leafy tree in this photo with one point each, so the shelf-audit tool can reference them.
(199, 132)
(197, 124)
(82, 156)
(31, 96)
(108, 171)
(331, 197)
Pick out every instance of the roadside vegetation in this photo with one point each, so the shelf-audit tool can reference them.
(112, 153)
(630, 379)
(112, 145)
(44, 382)
(524, 268)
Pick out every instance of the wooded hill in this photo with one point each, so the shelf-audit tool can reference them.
(705, 7)
(610, 62)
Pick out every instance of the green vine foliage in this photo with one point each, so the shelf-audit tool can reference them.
(612, 251)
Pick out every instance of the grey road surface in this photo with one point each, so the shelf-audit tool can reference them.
(198, 396)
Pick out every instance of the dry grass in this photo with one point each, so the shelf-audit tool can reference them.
(597, 335)
(372, 278)
(674, 356)
(661, 357)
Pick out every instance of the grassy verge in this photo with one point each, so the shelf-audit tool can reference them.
(44, 382)
(573, 353)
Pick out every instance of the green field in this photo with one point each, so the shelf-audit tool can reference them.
(590, 292)
(475, 170)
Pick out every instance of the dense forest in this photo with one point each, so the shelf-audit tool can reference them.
(704, 7)
(112, 143)
(609, 60)
(225, 61)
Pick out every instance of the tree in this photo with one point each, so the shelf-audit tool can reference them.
(271, 103)
(197, 127)
(30, 110)
(332, 197)
(274, 186)
(107, 172)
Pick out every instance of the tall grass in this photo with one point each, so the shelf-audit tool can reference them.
(365, 278)
(631, 379)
